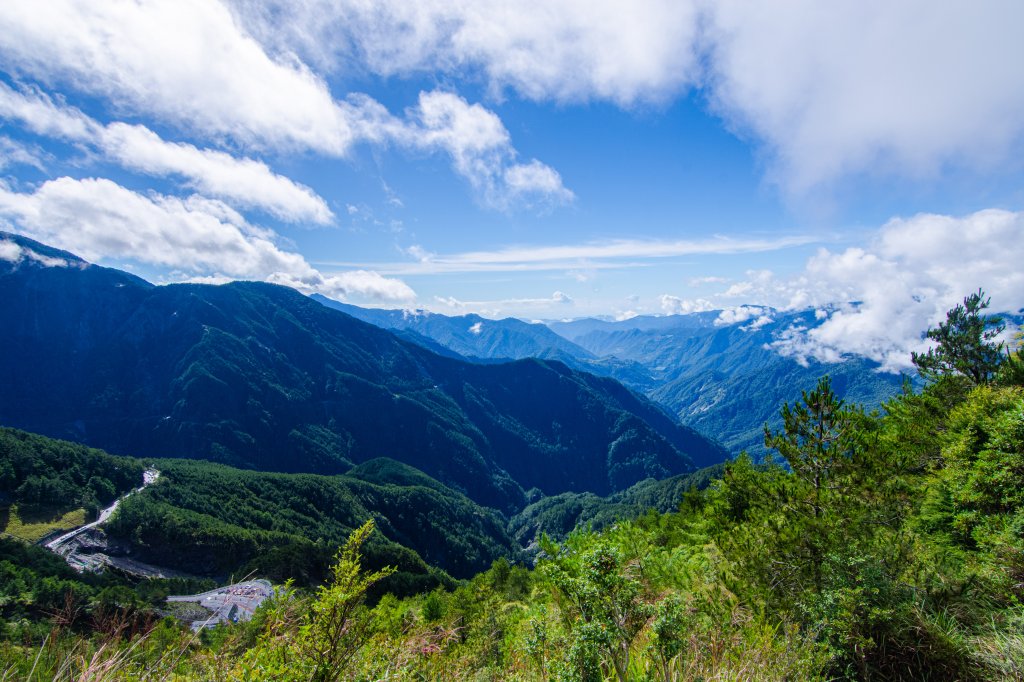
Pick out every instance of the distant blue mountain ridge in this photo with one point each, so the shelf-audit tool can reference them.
(721, 379)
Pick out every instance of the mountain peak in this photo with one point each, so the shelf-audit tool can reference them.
(16, 249)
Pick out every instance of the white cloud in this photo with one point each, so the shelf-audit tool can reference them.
(12, 252)
(480, 149)
(740, 314)
(628, 248)
(360, 283)
(13, 152)
(757, 316)
(244, 182)
(674, 305)
(9, 251)
(189, 63)
(570, 50)
(525, 181)
(579, 258)
(829, 89)
(184, 61)
(40, 114)
(878, 300)
(496, 308)
(761, 321)
(97, 219)
(711, 279)
(476, 328)
(582, 275)
(851, 87)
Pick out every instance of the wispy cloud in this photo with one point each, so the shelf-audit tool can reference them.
(622, 253)
(14, 153)
(711, 279)
(496, 307)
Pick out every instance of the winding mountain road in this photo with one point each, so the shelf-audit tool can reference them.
(148, 477)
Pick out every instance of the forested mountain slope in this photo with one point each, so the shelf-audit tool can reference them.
(208, 519)
(259, 376)
(723, 379)
(726, 379)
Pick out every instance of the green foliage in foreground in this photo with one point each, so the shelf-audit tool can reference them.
(888, 547)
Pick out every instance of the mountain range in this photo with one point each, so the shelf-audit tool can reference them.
(260, 376)
(726, 378)
(720, 377)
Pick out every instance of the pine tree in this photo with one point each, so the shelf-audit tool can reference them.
(818, 440)
(965, 343)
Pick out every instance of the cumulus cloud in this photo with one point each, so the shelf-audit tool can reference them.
(876, 301)
(473, 137)
(529, 182)
(476, 328)
(829, 89)
(481, 150)
(97, 218)
(244, 182)
(740, 314)
(571, 50)
(674, 305)
(189, 63)
(854, 87)
(757, 316)
(184, 61)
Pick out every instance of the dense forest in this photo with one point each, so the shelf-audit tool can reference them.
(884, 545)
(214, 520)
(37, 471)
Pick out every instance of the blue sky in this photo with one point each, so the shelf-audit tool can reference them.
(535, 159)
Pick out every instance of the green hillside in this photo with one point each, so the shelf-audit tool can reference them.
(48, 485)
(211, 519)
